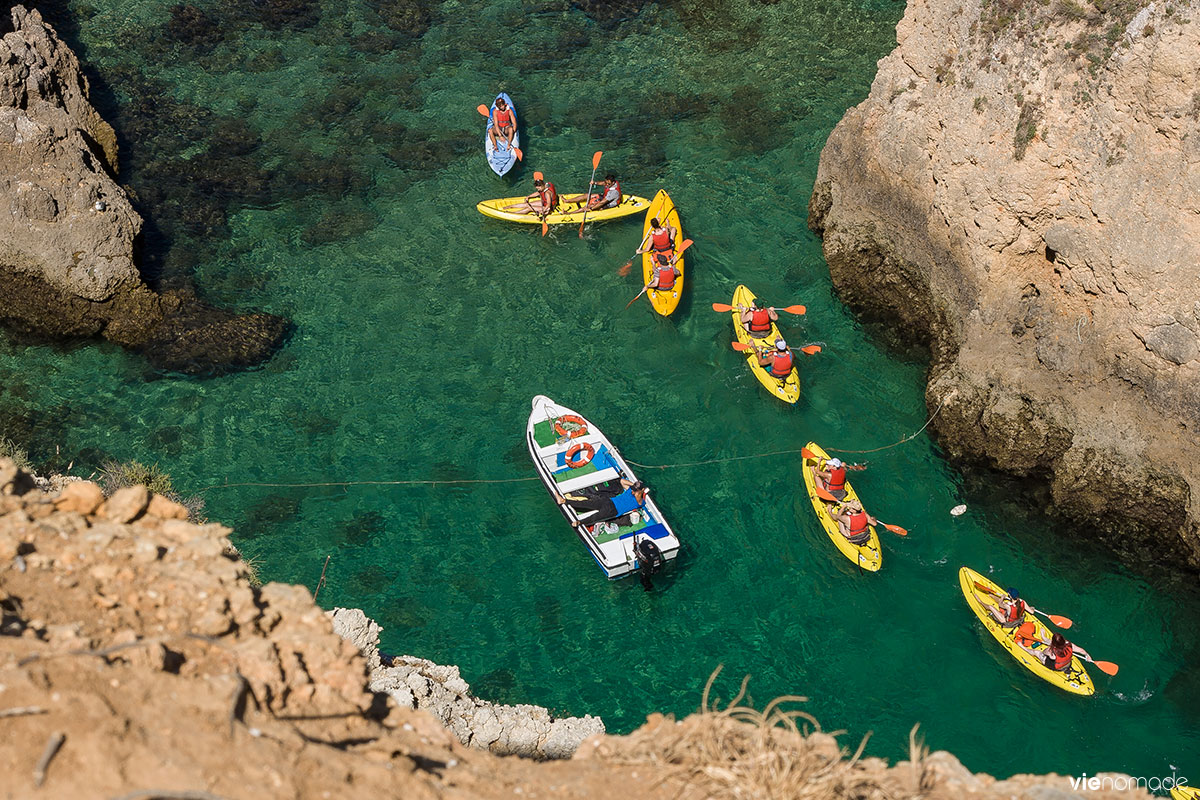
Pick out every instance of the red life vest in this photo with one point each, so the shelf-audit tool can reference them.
(502, 119)
(661, 242)
(549, 196)
(666, 277)
(858, 523)
(782, 365)
(1015, 613)
(837, 475)
(620, 197)
(1062, 659)
(760, 320)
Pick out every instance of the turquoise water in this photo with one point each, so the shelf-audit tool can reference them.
(345, 202)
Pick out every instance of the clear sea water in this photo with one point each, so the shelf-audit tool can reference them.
(344, 159)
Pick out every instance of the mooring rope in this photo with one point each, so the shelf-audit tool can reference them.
(452, 482)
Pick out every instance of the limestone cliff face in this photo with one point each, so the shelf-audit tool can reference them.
(1021, 191)
(68, 232)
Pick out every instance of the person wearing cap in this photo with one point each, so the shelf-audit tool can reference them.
(608, 503)
(853, 522)
(758, 318)
(542, 202)
(1010, 612)
(611, 198)
(833, 478)
(660, 239)
(503, 124)
(777, 361)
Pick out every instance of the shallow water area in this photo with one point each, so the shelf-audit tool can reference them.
(423, 330)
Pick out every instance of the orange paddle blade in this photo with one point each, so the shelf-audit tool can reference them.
(825, 495)
(811, 350)
(1061, 622)
(741, 347)
(793, 309)
(537, 176)
(1107, 666)
(520, 155)
(596, 159)
(722, 307)
(482, 109)
(625, 268)
(684, 245)
(545, 228)
(895, 529)
(984, 589)
(806, 453)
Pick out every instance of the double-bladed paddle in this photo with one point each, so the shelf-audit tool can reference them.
(487, 112)
(829, 498)
(725, 307)
(808, 349)
(623, 270)
(588, 193)
(1062, 622)
(806, 453)
(684, 245)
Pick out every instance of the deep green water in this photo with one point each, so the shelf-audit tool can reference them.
(345, 202)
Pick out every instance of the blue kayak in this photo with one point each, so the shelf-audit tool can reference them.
(501, 158)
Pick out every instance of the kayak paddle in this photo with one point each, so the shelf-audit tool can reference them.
(829, 498)
(1062, 622)
(595, 165)
(725, 307)
(1105, 666)
(808, 349)
(482, 109)
(624, 270)
(806, 453)
(684, 245)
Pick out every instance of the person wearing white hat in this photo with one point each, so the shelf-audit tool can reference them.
(779, 361)
(833, 478)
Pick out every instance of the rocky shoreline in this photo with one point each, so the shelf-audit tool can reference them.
(136, 652)
(1018, 193)
(68, 246)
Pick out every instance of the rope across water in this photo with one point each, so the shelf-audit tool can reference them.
(681, 464)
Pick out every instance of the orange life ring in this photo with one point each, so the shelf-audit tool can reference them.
(562, 431)
(576, 449)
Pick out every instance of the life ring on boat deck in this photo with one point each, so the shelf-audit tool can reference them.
(580, 447)
(561, 429)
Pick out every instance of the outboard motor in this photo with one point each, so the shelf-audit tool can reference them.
(651, 559)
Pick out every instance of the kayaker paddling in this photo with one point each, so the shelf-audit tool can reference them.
(1010, 609)
(542, 202)
(1056, 653)
(660, 240)
(778, 361)
(853, 522)
(503, 124)
(833, 478)
(758, 319)
(665, 272)
(609, 198)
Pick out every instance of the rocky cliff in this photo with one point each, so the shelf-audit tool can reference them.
(68, 236)
(1021, 192)
(137, 660)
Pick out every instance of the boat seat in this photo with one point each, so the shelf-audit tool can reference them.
(591, 479)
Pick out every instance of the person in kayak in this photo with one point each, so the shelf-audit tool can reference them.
(660, 239)
(853, 522)
(777, 362)
(503, 124)
(610, 198)
(1057, 653)
(833, 478)
(1010, 612)
(543, 201)
(758, 318)
(665, 272)
(610, 503)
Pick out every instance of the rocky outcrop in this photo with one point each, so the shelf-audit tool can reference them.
(68, 234)
(1020, 192)
(522, 730)
(137, 660)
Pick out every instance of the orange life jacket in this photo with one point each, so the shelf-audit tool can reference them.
(661, 242)
(782, 365)
(837, 475)
(858, 523)
(1015, 613)
(666, 277)
(760, 320)
(502, 119)
(1062, 659)
(549, 196)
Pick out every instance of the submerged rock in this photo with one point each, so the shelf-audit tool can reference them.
(68, 239)
(1019, 193)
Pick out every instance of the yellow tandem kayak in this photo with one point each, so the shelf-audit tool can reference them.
(1185, 793)
(663, 209)
(867, 555)
(567, 213)
(1074, 679)
(787, 390)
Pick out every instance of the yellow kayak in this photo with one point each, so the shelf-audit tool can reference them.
(662, 209)
(787, 390)
(1185, 793)
(866, 555)
(567, 212)
(1074, 679)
